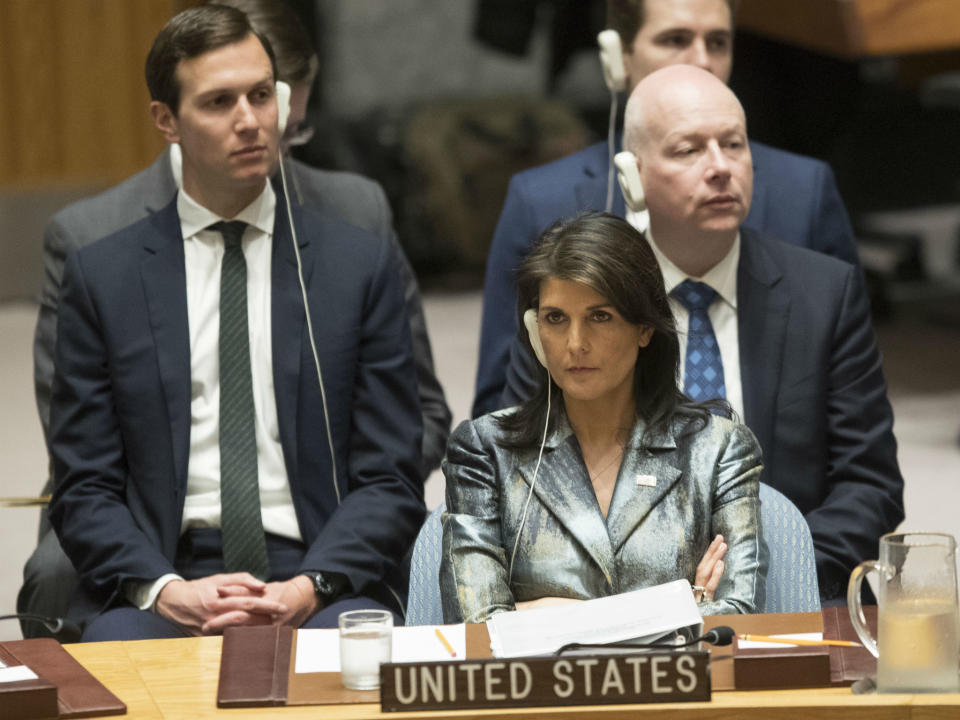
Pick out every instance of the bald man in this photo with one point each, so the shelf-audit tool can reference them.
(795, 198)
(799, 358)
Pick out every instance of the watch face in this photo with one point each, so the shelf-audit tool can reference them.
(326, 586)
(322, 587)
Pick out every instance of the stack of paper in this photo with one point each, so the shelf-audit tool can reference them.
(641, 616)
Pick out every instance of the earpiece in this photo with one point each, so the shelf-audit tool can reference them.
(283, 112)
(615, 76)
(611, 58)
(283, 105)
(530, 322)
(533, 330)
(629, 176)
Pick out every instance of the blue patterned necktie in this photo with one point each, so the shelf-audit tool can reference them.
(244, 543)
(703, 374)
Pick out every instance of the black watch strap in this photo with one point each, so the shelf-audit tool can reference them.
(328, 586)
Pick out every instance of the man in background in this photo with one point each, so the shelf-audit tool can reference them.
(795, 198)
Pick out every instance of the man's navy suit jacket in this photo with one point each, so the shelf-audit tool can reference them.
(814, 395)
(120, 413)
(795, 199)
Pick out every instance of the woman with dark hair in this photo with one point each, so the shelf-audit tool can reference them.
(608, 479)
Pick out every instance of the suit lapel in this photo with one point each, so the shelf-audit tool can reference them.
(165, 288)
(287, 322)
(634, 496)
(763, 308)
(563, 487)
(591, 190)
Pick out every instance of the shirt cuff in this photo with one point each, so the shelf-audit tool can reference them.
(144, 594)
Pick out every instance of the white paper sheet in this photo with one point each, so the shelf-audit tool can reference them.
(419, 643)
(319, 650)
(641, 615)
(755, 644)
(16, 673)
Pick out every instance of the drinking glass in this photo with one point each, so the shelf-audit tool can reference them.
(918, 629)
(365, 642)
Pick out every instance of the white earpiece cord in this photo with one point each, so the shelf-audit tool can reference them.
(611, 146)
(536, 470)
(313, 344)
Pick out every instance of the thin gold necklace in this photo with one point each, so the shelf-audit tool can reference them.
(600, 472)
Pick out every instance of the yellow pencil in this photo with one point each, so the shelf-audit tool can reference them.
(446, 643)
(788, 641)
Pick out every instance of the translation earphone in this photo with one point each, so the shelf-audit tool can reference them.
(283, 105)
(283, 114)
(628, 173)
(533, 330)
(615, 76)
(611, 58)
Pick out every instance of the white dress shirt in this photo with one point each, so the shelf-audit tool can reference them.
(203, 253)
(722, 277)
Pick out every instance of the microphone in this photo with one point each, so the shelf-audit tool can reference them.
(720, 635)
(55, 625)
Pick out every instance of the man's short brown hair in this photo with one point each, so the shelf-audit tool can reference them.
(628, 16)
(190, 34)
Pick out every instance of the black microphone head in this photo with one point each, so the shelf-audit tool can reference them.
(720, 635)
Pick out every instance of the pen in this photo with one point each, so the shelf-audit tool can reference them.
(446, 643)
(787, 641)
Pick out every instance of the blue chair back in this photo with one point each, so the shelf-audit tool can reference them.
(423, 599)
(791, 576)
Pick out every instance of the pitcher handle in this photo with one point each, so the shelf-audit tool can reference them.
(856, 609)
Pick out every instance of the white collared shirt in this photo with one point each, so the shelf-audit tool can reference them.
(203, 251)
(722, 277)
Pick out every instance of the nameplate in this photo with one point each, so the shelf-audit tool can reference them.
(546, 681)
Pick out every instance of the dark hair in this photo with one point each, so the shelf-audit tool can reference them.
(607, 254)
(628, 16)
(296, 57)
(190, 34)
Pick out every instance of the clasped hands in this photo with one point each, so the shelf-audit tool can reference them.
(211, 604)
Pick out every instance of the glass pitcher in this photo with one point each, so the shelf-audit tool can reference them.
(918, 629)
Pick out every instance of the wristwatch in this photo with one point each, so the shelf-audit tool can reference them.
(328, 586)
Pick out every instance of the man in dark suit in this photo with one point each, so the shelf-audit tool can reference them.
(48, 575)
(791, 327)
(207, 475)
(795, 198)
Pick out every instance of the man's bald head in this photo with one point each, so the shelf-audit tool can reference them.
(662, 96)
(689, 133)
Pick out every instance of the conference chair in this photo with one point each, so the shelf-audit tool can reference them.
(791, 576)
(792, 573)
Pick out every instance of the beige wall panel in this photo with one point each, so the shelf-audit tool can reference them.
(33, 132)
(75, 71)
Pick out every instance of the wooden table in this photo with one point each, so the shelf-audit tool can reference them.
(178, 679)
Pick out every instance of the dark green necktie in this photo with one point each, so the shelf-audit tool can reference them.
(244, 544)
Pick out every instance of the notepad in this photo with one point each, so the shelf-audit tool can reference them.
(319, 650)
